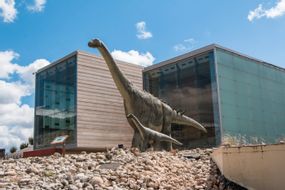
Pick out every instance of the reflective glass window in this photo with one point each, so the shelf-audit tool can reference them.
(252, 99)
(189, 85)
(55, 105)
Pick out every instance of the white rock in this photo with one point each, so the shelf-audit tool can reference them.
(97, 180)
(72, 187)
(82, 177)
(146, 170)
(10, 173)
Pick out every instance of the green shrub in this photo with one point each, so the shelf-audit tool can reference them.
(13, 149)
(31, 140)
(24, 145)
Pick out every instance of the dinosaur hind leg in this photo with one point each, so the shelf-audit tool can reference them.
(166, 145)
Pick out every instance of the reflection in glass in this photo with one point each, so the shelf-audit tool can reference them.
(189, 85)
(252, 99)
(55, 103)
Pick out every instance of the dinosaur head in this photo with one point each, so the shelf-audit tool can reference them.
(95, 43)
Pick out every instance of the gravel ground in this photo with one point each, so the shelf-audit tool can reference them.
(116, 169)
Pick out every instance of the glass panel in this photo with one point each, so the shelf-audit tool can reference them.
(189, 85)
(252, 99)
(55, 103)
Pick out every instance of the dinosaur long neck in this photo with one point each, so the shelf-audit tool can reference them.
(122, 83)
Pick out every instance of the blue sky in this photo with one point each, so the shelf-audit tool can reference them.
(36, 32)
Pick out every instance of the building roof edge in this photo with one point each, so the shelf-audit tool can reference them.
(58, 61)
(180, 57)
(76, 52)
(250, 57)
(208, 48)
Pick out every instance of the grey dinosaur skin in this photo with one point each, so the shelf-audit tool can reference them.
(151, 137)
(149, 110)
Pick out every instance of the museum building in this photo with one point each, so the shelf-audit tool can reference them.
(76, 96)
(233, 95)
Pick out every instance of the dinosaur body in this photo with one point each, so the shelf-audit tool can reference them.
(149, 110)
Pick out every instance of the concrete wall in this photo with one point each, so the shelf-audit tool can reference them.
(101, 120)
(254, 167)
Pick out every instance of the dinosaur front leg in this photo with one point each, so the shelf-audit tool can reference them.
(137, 142)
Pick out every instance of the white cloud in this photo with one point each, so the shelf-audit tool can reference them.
(13, 114)
(26, 72)
(16, 119)
(8, 139)
(259, 12)
(12, 92)
(8, 10)
(132, 56)
(179, 47)
(7, 67)
(185, 45)
(190, 40)
(13, 136)
(256, 13)
(141, 29)
(16, 124)
(38, 6)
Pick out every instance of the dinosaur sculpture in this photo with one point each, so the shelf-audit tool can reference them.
(150, 111)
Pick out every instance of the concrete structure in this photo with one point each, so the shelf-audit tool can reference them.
(236, 97)
(253, 167)
(76, 96)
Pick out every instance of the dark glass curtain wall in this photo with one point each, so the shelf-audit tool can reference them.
(55, 112)
(189, 85)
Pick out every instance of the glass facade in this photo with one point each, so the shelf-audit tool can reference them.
(189, 85)
(232, 96)
(252, 100)
(55, 104)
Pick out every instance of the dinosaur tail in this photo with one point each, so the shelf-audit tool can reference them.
(149, 132)
(184, 120)
(166, 138)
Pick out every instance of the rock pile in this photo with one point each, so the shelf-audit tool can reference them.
(116, 169)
